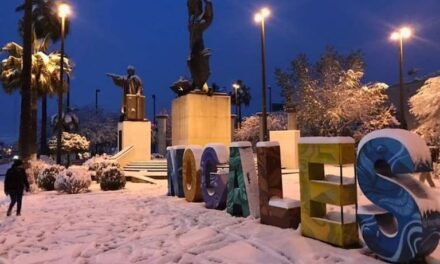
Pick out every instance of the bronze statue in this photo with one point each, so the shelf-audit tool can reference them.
(132, 89)
(199, 21)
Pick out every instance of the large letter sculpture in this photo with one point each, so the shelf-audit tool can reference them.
(174, 170)
(407, 224)
(274, 209)
(214, 180)
(170, 172)
(191, 174)
(317, 190)
(243, 199)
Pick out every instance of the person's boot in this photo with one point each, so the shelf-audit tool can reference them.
(8, 213)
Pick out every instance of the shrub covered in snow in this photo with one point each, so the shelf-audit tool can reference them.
(73, 180)
(34, 169)
(98, 163)
(112, 178)
(47, 177)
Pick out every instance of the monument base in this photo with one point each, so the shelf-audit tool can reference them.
(288, 140)
(134, 141)
(198, 119)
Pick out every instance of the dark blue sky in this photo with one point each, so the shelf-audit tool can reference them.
(108, 35)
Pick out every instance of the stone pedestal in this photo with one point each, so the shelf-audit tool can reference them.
(292, 123)
(161, 136)
(288, 140)
(198, 119)
(134, 141)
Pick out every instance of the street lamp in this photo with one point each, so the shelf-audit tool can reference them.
(236, 87)
(97, 91)
(64, 10)
(400, 35)
(260, 17)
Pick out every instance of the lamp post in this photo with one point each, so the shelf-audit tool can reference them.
(236, 86)
(270, 98)
(63, 12)
(97, 91)
(400, 35)
(154, 108)
(260, 17)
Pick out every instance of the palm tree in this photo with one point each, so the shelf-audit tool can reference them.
(45, 74)
(26, 146)
(45, 23)
(240, 96)
(44, 20)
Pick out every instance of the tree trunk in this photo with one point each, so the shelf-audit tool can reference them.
(26, 145)
(34, 110)
(43, 134)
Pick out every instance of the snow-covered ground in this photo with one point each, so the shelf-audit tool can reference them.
(142, 225)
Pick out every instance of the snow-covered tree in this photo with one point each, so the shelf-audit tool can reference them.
(70, 143)
(425, 106)
(330, 97)
(101, 128)
(250, 128)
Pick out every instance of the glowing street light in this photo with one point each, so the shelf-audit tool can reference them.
(64, 10)
(236, 87)
(400, 35)
(260, 18)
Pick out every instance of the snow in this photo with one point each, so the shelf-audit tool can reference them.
(140, 224)
(268, 144)
(221, 150)
(416, 146)
(241, 144)
(284, 202)
(326, 140)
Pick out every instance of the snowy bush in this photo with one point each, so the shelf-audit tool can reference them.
(98, 163)
(112, 178)
(47, 177)
(73, 180)
(35, 167)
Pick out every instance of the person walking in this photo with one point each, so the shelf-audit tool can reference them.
(15, 183)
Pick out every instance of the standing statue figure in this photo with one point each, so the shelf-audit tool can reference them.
(133, 101)
(199, 21)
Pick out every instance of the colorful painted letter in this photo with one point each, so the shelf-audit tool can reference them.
(214, 180)
(175, 155)
(243, 199)
(318, 189)
(407, 224)
(274, 209)
(191, 174)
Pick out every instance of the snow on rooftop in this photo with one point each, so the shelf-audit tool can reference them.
(416, 146)
(326, 140)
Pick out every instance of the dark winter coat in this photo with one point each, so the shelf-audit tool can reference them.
(16, 179)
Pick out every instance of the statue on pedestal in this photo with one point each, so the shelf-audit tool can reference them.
(200, 18)
(133, 99)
